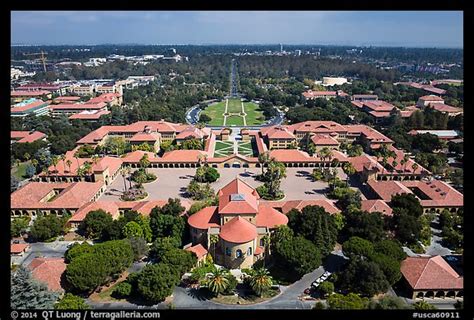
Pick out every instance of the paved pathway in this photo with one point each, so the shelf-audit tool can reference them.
(244, 115)
(225, 111)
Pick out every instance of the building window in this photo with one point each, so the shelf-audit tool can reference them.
(238, 253)
(249, 251)
(227, 251)
(262, 242)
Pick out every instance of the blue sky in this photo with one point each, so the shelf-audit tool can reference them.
(379, 28)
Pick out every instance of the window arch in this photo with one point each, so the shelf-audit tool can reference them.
(249, 251)
(227, 251)
(238, 253)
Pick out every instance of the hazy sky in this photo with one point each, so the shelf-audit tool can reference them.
(391, 28)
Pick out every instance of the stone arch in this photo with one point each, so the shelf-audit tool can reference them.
(440, 294)
(430, 294)
(460, 294)
(420, 295)
(257, 165)
(451, 294)
(226, 165)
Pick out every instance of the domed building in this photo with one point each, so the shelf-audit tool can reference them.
(237, 226)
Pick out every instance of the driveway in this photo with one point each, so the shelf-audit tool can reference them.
(172, 183)
(41, 249)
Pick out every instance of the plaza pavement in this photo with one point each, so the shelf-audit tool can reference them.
(172, 183)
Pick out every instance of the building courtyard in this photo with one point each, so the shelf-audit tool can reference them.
(172, 183)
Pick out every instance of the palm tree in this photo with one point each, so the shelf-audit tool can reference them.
(217, 281)
(406, 157)
(384, 162)
(263, 159)
(68, 163)
(128, 172)
(349, 170)
(261, 281)
(26, 156)
(414, 166)
(394, 164)
(266, 247)
(144, 162)
(55, 161)
(123, 172)
(213, 239)
(403, 163)
(63, 158)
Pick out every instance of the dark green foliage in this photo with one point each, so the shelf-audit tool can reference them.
(351, 301)
(316, 225)
(390, 248)
(86, 272)
(155, 282)
(85, 151)
(426, 142)
(18, 226)
(389, 266)
(96, 223)
(298, 254)
(364, 277)
(71, 302)
(192, 144)
(326, 288)
(76, 250)
(166, 222)
(19, 150)
(180, 260)
(204, 118)
(363, 224)
(139, 248)
(357, 247)
(47, 227)
(206, 174)
(389, 303)
(122, 290)
(89, 269)
(407, 227)
(409, 202)
(14, 183)
(162, 245)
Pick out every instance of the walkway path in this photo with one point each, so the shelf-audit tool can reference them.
(244, 115)
(225, 111)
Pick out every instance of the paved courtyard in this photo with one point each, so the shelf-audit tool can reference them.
(172, 182)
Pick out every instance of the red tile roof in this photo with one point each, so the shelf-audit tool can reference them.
(27, 136)
(108, 206)
(440, 194)
(198, 250)
(290, 155)
(78, 106)
(238, 230)
(269, 217)
(71, 196)
(67, 98)
(143, 136)
(89, 115)
(365, 161)
(324, 140)
(192, 132)
(204, 218)
(105, 97)
(376, 206)
(48, 271)
(278, 132)
(27, 93)
(431, 98)
(286, 206)
(248, 196)
(29, 106)
(17, 248)
(430, 273)
(317, 127)
(177, 156)
(386, 189)
(135, 156)
(441, 107)
(371, 134)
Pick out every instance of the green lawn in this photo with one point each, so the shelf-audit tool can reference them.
(20, 170)
(223, 149)
(234, 121)
(247, 149)
(235, 106)
(254, 115)
(216, 112)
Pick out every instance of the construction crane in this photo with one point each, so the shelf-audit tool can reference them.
(42, 58)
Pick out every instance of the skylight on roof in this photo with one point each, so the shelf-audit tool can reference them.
(237, 197)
